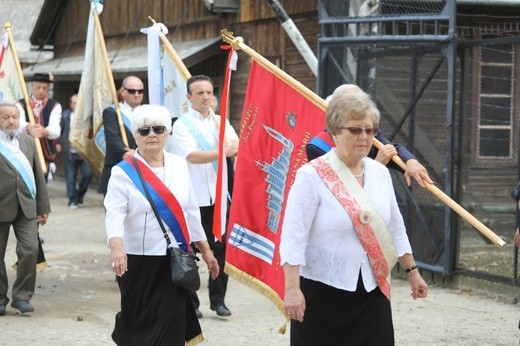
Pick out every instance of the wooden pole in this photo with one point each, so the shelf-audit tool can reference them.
(99, 32)
(39, 152)
(238, 43)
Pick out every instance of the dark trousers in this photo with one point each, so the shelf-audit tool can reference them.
(218, 287)
(73, 164)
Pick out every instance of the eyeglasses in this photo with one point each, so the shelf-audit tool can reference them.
(145, 131)
(133, 91)
(358, 130)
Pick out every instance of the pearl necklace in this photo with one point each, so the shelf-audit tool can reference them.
(360, 174)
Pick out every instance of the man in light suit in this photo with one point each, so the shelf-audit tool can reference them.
(24, 203)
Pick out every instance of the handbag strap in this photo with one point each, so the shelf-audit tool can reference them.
(152, 204)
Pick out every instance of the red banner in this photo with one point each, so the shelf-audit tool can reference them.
(277, 123)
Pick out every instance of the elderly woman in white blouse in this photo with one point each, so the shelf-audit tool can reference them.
(342, 234)
(153, 310)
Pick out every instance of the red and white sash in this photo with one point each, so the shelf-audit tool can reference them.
(370, 227)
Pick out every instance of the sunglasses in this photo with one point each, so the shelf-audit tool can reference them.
(358, 130)
(133, 91)
(145, 131)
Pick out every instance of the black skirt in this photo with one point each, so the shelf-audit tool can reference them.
(339, 317)
(153, 310)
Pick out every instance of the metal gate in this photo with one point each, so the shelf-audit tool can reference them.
(404, 53)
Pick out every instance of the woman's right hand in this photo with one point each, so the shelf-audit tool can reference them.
(294, 304)
(118, 256)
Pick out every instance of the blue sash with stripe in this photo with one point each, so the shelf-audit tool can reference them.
(167, 205)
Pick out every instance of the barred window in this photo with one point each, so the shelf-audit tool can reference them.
(495, 107)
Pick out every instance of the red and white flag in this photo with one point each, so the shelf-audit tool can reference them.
(221, 192)
(277, 122)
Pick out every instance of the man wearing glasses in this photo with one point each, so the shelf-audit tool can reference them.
(132, 91)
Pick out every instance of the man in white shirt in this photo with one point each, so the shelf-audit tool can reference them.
(47, 116)
(195, 137)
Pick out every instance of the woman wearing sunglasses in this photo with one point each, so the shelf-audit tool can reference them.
(342, 234)
(153, 310)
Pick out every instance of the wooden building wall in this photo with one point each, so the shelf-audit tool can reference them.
(122, 20)
(262, 31)
(188, 20)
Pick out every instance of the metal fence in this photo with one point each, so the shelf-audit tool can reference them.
(404, 53)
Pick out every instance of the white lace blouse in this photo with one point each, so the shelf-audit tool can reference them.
(318, 235)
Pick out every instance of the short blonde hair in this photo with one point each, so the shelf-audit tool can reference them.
(345, 106)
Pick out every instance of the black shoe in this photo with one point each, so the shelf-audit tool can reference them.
(198, 313)
(23, 306)
(2, 309)
(221, 310)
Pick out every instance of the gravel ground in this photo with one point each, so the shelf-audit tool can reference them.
(76, 298)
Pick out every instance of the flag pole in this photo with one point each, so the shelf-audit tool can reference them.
(172, 53)
(238, 43)
(39, 152)
(111, 80)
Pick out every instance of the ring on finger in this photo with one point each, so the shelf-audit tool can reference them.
(113, 264)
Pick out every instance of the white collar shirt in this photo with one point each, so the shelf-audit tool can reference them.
(204, 176)
(15, 141)
(54, 127)
(127, 110)
(319, 236)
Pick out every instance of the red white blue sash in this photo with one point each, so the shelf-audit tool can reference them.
(167, 205)
(370, 228)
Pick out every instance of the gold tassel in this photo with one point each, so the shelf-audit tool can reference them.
(283, 328)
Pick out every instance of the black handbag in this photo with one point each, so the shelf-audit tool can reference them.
(183, 265)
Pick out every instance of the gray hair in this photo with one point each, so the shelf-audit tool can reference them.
(151, 115)
(345, 88)
(8, 104)
(345, 106)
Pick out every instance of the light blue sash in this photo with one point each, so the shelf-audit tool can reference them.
(20, 163)
(199, 137)
(99, 139)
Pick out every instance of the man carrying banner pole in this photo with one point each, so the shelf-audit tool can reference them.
(273, 134)
(195, 137)
(45, 123)
(116, 148)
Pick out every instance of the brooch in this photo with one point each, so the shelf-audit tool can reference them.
(365, 217)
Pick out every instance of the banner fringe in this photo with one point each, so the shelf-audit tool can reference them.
(260, 287)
